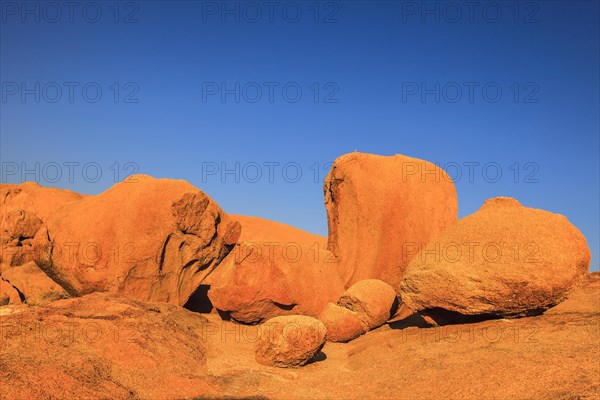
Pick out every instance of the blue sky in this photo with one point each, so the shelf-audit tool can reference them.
(239, 98)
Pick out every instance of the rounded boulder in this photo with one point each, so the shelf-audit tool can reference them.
(289, 341)
(373, 300)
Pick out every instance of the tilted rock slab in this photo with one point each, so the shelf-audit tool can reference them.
(35, 286)
(381, 210)
(503, 260)
(9, 294)
(151, 239)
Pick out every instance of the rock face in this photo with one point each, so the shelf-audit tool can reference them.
(373, 300)
(34, 284)
(381, 209)
(503, 260)
(151, 239)
(274, 270)
(341, 323)
(289, 341)
(97, 346)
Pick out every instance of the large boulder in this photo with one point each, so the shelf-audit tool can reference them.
(274, 270)
(289, 341)
(99, 346)
(151, 239)
(503, 260)
(380, 209)
(35, 286)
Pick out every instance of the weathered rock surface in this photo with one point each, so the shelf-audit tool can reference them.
(381, 209)
(289, 341)
(341, 323)
(98, 346)
(373, 300)
(23, 208)
(274, 270)
(151, 239)
(503, 260)
(8, 294)
(18, 229)
(34, 284)
(30, 196)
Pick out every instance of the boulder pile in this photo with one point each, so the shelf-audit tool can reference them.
(394, 241)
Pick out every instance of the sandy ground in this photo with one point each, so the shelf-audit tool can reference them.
(552, 356)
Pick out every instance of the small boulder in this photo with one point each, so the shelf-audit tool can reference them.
(373, 300)
(289, 341)
(505, 260)
(341, 323)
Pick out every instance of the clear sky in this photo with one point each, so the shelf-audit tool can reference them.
(251, 101)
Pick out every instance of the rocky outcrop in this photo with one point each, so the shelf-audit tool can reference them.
(274, 270)
(504, 260)
(98, 346)
(151, 239)
(380, 210)
(289, 341)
